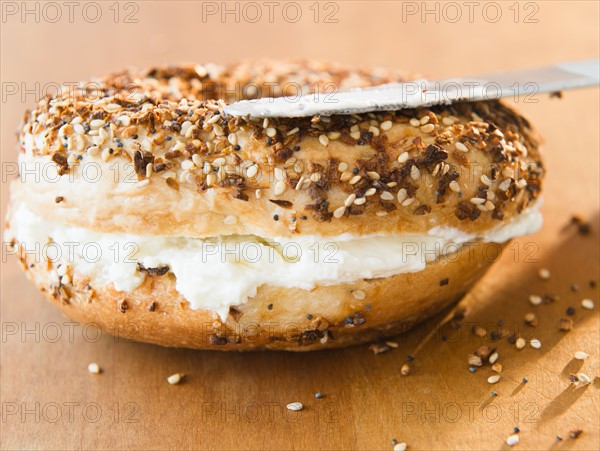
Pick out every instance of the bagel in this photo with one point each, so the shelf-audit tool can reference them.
(139, 201)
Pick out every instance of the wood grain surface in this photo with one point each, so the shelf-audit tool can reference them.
(238, 401)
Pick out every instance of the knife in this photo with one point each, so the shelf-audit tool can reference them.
(423, 92)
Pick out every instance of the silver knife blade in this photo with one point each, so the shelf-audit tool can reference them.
(423, 93)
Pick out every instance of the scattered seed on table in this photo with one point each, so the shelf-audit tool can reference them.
(400, 446)
(493, 358)
(535, 343)
(174, 379)
(520, 343)
(493, 379)
(584, 378)
(587, 304)
(295, 406)
(580, 355)
(497, 367)
(318, 395)
(534, 299)
(94, 368)
(474, 360)
(544, 274)
(524, 380)
(405, 370)
(512, 440)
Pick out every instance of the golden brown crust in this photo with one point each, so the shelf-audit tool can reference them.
(197, 172)
(276, 318)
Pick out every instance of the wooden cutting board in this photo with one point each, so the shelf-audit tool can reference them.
(49, 400)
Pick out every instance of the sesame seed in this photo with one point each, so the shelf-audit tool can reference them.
(174, 379)
(300, 183)
(211, 179)
(580, 355)
(474, 360)
(407, 202)
(584, 378)
(447, 120)
(535, 299)
(324, 140)
(349, 200)
(477, 200)
(414, 172)
(505, 184)
(374, 130)
(279, 187)
(360, 201)
(354, 180)
(403, 157)
(373, 175)
(370, 192)
(512, 440)
(544, 274)
(485, 180)
(295, 406)
(385, 126)
(293, 131)
(94, 368)
(415, 122)
(402, 194)
(400, 446)
(454, 186)
(197, 159)
(424, 120)
(535, 343)
(271, 132)
(187, 164)
(494, 379)
(346, 175)
(355, 135)
(520, 343)
(333, 135)
(587, 304)
(280, 174)
(339, 212)
(493, 358)
(460, 146)
(252, 171)
(496, 367)
(386, 195)
(96, 123)
(427, 128)
(359, 295)
(381, 213)
(230, 219)
(405, 369)
(319, 395)
(343, 166)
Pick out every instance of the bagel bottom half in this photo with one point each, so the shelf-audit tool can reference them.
(276, 318)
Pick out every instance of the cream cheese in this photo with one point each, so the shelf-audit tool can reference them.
(225, 271)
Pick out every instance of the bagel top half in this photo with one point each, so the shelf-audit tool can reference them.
(151, 152)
